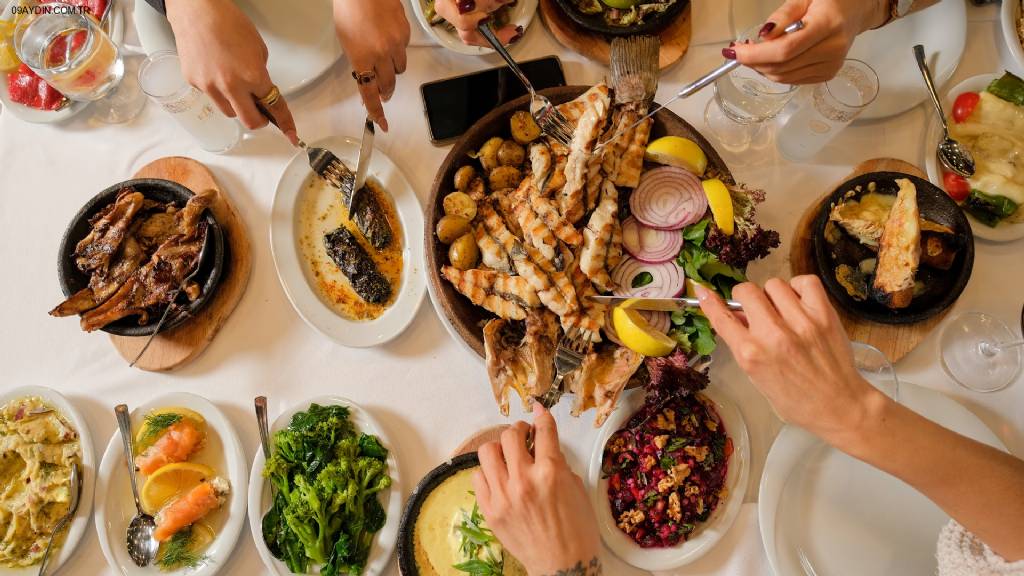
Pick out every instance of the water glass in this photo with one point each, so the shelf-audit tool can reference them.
(875, 367)
(830, 108)
(161, 79)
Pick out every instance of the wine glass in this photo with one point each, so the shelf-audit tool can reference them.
(68, 49)
(875, 367)
(980, 352)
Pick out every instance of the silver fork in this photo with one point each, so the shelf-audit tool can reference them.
(321, 160)
(572, 349)
(551, 121)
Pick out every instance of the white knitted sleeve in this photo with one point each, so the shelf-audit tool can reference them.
(960, 553)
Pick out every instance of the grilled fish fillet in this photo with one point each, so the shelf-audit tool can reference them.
(541, 164)
(571, 201)
(597, 237)
(525, 365)
(591, 316)
(631, 165)
(601, 380)
(552, 218)
(491, 252)
(899, 251)
(479, 287)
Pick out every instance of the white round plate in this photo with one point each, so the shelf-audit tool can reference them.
(293, 274)
(823, 512)
(115, 507)
(1014, 43)
(115, 29)
(299, 36)
(260, 499)
(941, 28)
(705, 536)
(81, 521)
(522, 15)
(1005, 232)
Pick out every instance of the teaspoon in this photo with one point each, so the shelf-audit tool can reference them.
(952, 155)
(142, 546)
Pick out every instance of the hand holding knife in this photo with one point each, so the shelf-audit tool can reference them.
(659, 304)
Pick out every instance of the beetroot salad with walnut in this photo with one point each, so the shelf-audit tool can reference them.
(667, 467)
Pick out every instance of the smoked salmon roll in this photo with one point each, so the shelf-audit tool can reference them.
(190, 508)
(176, 444)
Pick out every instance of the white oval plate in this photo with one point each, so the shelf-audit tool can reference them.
(34, 116)
(115, 507)
(81, 521)
(823, 512)
(1005, 232)
(941, 28)
(1011, 14)
(288, 255)
(522, 15)
(709, 533)
(260, 499)
(299, 36)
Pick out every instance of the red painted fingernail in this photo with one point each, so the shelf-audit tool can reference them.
(766, 29)
(518, 36)
(729, 53)
(466, 6)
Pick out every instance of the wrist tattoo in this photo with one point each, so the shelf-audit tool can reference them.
(591, 568)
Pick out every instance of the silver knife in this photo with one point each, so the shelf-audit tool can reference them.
(363, 164)
(659, 304)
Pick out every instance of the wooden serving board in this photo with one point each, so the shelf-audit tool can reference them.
(895, 340)
(675, 38)
(177, 347)
(481, 437)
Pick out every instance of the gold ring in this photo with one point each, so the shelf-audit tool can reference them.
(271, 98)
(364, 77)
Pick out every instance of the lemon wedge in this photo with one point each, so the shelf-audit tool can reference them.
(720, 202)
(620, 4)
(171, 481)
(145, 438)
(637, 335)
(8, 57)
(677, 151)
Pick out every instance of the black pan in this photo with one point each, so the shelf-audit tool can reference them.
(653, 24)
(211, 268)
(943, 287)
(407, 528)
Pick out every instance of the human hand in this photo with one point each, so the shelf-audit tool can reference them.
(223, 55)
(374, 35)
(466, 16)
(816, 53)
(535, 504)
(791, 344)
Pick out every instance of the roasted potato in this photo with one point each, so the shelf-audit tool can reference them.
(449, 228)
(464, 253)
(488, 153)
(505, 177)
(511, 154)
(460, 204)
(524, 129)
(463, 176)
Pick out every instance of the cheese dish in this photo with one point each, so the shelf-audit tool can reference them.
(38, 447)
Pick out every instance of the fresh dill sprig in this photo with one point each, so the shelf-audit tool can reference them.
(178, 553)
(157, 423)
(477, 538)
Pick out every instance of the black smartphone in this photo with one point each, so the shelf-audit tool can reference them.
(454, 104)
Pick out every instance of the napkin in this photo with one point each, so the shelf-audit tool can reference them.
(738, 553)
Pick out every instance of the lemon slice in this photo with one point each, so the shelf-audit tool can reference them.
(172, 481)
(677, 151)
(202, 536)
(620, 4)
(637, 335)
(145, 438)
(720, 202)
(8, 57)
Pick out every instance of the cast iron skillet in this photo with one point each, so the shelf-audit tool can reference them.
(407, 528)
(943, 287)
(210, 269)
(595, 22)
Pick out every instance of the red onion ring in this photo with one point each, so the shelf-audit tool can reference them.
(668, 198)
(667, 279)
(648, 244)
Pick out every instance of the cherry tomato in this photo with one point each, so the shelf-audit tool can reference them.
(956, 186)
(964, 105)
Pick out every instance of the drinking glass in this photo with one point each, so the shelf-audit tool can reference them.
(980, 352)
(876, 368)
(161, 79)
(831, 107)
(68, 49)
(744, 100)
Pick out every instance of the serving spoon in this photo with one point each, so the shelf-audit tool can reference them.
(142, 546)
(75, 484)
(951, 153)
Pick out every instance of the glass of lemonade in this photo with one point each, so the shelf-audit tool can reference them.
(68, 49)
(831, 107)
(161, 79)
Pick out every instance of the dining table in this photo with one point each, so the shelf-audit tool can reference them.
(427, 391)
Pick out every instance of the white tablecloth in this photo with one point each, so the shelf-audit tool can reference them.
(423, 387)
